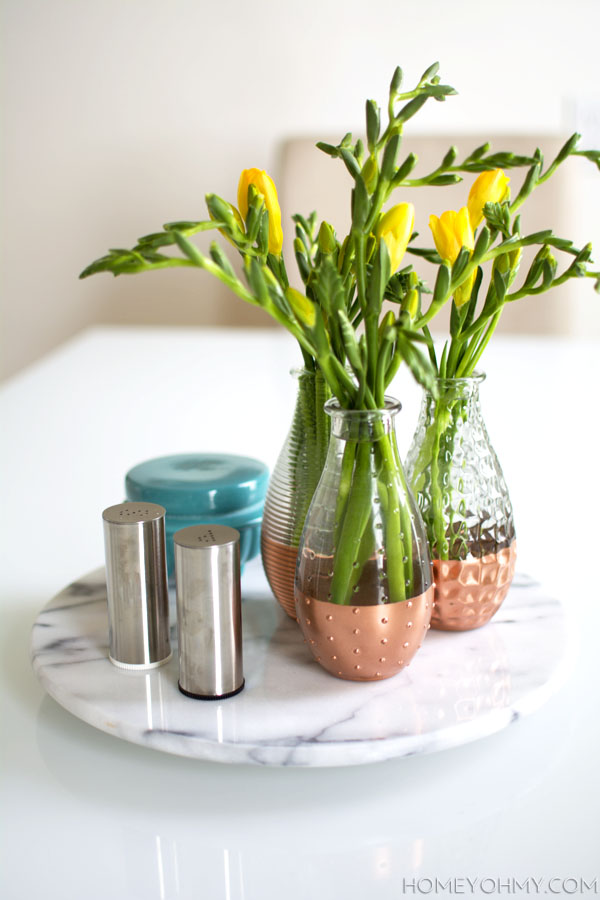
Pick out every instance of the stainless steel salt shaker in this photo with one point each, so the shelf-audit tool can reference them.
(209, 611)
(136, 580)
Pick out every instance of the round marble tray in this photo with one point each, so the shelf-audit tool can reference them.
(459, 687)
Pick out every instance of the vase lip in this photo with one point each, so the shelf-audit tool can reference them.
(392, 407)
(475, 378)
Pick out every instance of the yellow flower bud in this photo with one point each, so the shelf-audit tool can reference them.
(369, 172)
(451, 232)
(266, 187)
(411, 303)
(302, 307)
(396, 227)
(489, 187)
(327, 241)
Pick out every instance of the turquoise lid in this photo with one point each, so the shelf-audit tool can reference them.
(199, 484)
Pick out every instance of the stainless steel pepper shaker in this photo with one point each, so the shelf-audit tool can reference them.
(209, 611)
(136, 581)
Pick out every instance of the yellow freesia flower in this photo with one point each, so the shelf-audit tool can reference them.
(452, 231)
(396, 227)
(265, 185)
(489, 187)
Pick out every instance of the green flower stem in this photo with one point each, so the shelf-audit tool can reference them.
(344, 487)
(238, 288)
(540, 238)
(355, 540)
(357, 514)
(470, 360)
(440, 543)
(397, 522)
(322, 421)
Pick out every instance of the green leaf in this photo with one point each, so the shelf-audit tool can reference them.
(420, 365)
(427, 253)
(328, 286)
(262, 238)
(499, 285)
(350, 343)
(472, 304)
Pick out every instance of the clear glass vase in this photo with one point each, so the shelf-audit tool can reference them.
(457, 480)
(364, 590)
(292, 485)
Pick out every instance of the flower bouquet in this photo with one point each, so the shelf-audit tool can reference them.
(361, 311)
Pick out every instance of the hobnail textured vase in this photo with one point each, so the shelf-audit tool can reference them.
(292, 485)
(462, 495)
(364, 590)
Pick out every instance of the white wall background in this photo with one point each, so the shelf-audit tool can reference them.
(119, 115)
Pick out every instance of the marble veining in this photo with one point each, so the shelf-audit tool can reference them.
(459, 687)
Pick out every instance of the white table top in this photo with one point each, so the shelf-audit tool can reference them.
(91, 816)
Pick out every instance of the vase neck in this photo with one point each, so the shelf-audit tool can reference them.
(362, 425)
(455, 395)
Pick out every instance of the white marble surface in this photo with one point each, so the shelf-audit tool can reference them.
(458, 688)
(89, 816)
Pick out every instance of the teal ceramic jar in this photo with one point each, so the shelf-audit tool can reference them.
(204, 488)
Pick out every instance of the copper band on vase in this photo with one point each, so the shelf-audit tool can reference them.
(469, 592)
(279, 562)
(364, 643)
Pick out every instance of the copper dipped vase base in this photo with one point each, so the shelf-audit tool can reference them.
(469, 592)
(364, 643)
(279, 563)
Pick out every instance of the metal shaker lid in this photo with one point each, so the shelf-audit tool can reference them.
(202, 537)
(133, 513)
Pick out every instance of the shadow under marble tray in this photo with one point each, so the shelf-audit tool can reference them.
(459, 687)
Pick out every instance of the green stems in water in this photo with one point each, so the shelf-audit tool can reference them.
(373, 524)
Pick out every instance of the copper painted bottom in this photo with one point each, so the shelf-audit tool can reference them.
(279, 562)
(469, 592)
(364, 643)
